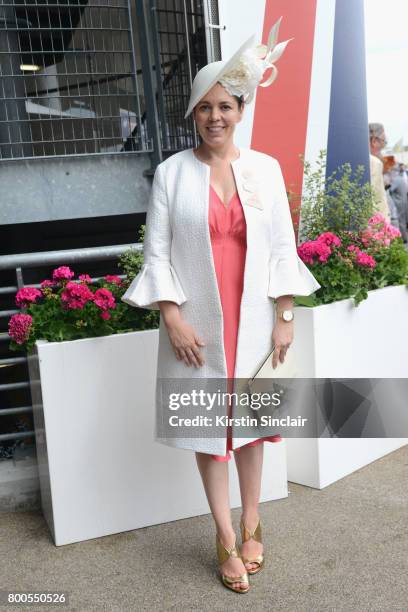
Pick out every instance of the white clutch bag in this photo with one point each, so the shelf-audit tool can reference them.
(287, 369)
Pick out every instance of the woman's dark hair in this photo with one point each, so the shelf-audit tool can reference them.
(240, 101)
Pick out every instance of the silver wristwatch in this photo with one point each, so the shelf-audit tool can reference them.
(285, 315)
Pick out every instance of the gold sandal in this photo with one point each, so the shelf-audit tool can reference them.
(257, 536)
(223, 555)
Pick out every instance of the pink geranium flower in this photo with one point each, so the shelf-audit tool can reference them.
(104, 299)
(329, 238)
(306, 252)
(111, 278)
(105, 315)
(27, 295)
(19, 327)
(377, 218)
(312, 249)
(62, 273)
(393, 232)
(379, 232)
(46, 283)
(363, 259)
(76, 295)
(85, 278)
(377, 238)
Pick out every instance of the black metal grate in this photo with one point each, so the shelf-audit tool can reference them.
(68, 79)
(179, 41)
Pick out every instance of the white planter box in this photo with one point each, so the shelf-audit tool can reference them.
(100, 470)
(340, 340)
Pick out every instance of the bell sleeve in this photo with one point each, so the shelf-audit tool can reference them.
(288, 275)
(157, 279)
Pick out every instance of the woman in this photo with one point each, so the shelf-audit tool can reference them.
(219, 248)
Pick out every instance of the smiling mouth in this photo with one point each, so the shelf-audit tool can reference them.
(215, 130)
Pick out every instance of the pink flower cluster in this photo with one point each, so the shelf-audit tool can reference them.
(376, 219)
(361, 258)
(329, 238)
(19, 327)
(47, 283)
(111, 278)
(85, 278)
(27, 295)
(76, 295)
(319, 248)
(379, 231)
(104, 299)
(62, 273)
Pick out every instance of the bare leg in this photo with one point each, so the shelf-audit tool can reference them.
(249, 461)
(214, 475)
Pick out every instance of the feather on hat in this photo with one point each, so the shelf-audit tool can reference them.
(243, 72)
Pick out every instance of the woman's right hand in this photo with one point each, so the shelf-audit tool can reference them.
(185, 342)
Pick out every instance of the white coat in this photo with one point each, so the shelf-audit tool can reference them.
(178, 266)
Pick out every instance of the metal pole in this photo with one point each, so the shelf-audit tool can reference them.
(190, 75)
(150, 98)
(133, 57)
(157, 63)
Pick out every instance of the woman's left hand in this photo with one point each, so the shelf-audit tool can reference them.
(282, 338)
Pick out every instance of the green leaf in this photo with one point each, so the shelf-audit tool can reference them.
(304, 300)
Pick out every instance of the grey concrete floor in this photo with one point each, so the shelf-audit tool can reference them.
(341, 549)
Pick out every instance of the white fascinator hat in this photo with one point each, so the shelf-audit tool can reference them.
(243, 72)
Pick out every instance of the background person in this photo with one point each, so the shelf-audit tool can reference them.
(391, 205)
(403, 172)
(377, 142)
(399, 193)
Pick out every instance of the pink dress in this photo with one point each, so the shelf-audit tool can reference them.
(228, 241)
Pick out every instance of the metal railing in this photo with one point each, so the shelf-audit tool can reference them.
(21, 262)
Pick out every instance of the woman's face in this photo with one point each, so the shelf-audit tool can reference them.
(216, 115)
